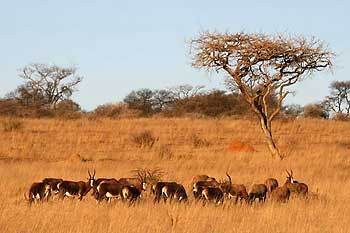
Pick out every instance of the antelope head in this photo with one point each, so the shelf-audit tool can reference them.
(153, 176)
(142, 176)
(226, 186)
(91, 178)
(290, 176)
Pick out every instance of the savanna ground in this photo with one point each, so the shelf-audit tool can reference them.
(316, 150)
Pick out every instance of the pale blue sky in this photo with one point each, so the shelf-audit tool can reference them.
(119, 46)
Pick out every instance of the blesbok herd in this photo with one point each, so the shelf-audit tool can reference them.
(204, 188)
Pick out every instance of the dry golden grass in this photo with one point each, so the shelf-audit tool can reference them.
(316, 150)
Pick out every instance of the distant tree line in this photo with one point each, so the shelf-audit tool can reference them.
(47, 90)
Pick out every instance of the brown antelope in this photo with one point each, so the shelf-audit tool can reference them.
(212, 194)
(38, 191)
(115, 189)
(139, 182)
(294, 186)
(180, 194)
(98, 182)
(53, 183)
(130, 193)
(234, 190)
(271, 184)
(172, 190)
(257, 191)
(280, 194)
(108, 190)
(76, 188)
(124, 188)
(200, 185)
(157, 190)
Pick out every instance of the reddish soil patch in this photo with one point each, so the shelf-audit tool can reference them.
(238, 146)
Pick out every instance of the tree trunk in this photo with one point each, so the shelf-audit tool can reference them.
(264, 124)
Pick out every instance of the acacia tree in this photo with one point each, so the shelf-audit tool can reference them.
(260, 65)
(338, 101)
(52, 82)
(141, 100)
(185, 91)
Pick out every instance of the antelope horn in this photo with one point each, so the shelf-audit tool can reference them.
(94, 173)
(288, 173)
(229, 177)
(89, 173)
(291, 172)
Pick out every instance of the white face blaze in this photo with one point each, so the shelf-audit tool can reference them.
(194, 189)
(91, 182)
(144, 185)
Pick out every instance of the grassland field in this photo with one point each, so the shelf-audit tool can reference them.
(318, 151)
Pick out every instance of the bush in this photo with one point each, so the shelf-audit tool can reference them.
(108, 110)
(143, 139)
(12, 125)
(315, 111)
(198, 142)
(340, 117)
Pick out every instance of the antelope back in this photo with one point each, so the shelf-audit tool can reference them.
(280, 194)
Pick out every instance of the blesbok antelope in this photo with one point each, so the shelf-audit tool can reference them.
(212, 194)
(37, 192)
(257, 191)
(173, 190)
(234, 190)
(271, 184)
(108, 190)
(98, 182)
(200, 185)
(180, 194)
(139, 182)
(124, 188)
(114, 189)
(157, 190)
(130, 193)
(294, 186)
(53, 183)
(76, 188)
(280, 194)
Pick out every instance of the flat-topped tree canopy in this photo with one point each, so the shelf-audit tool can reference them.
(260, 66)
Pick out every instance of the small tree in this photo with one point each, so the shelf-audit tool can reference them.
(260, 65)
(162, 99)
(338, 101)
(51, 82)
(141, 100)
(292, 110)
(185, 91)
(315, 111)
